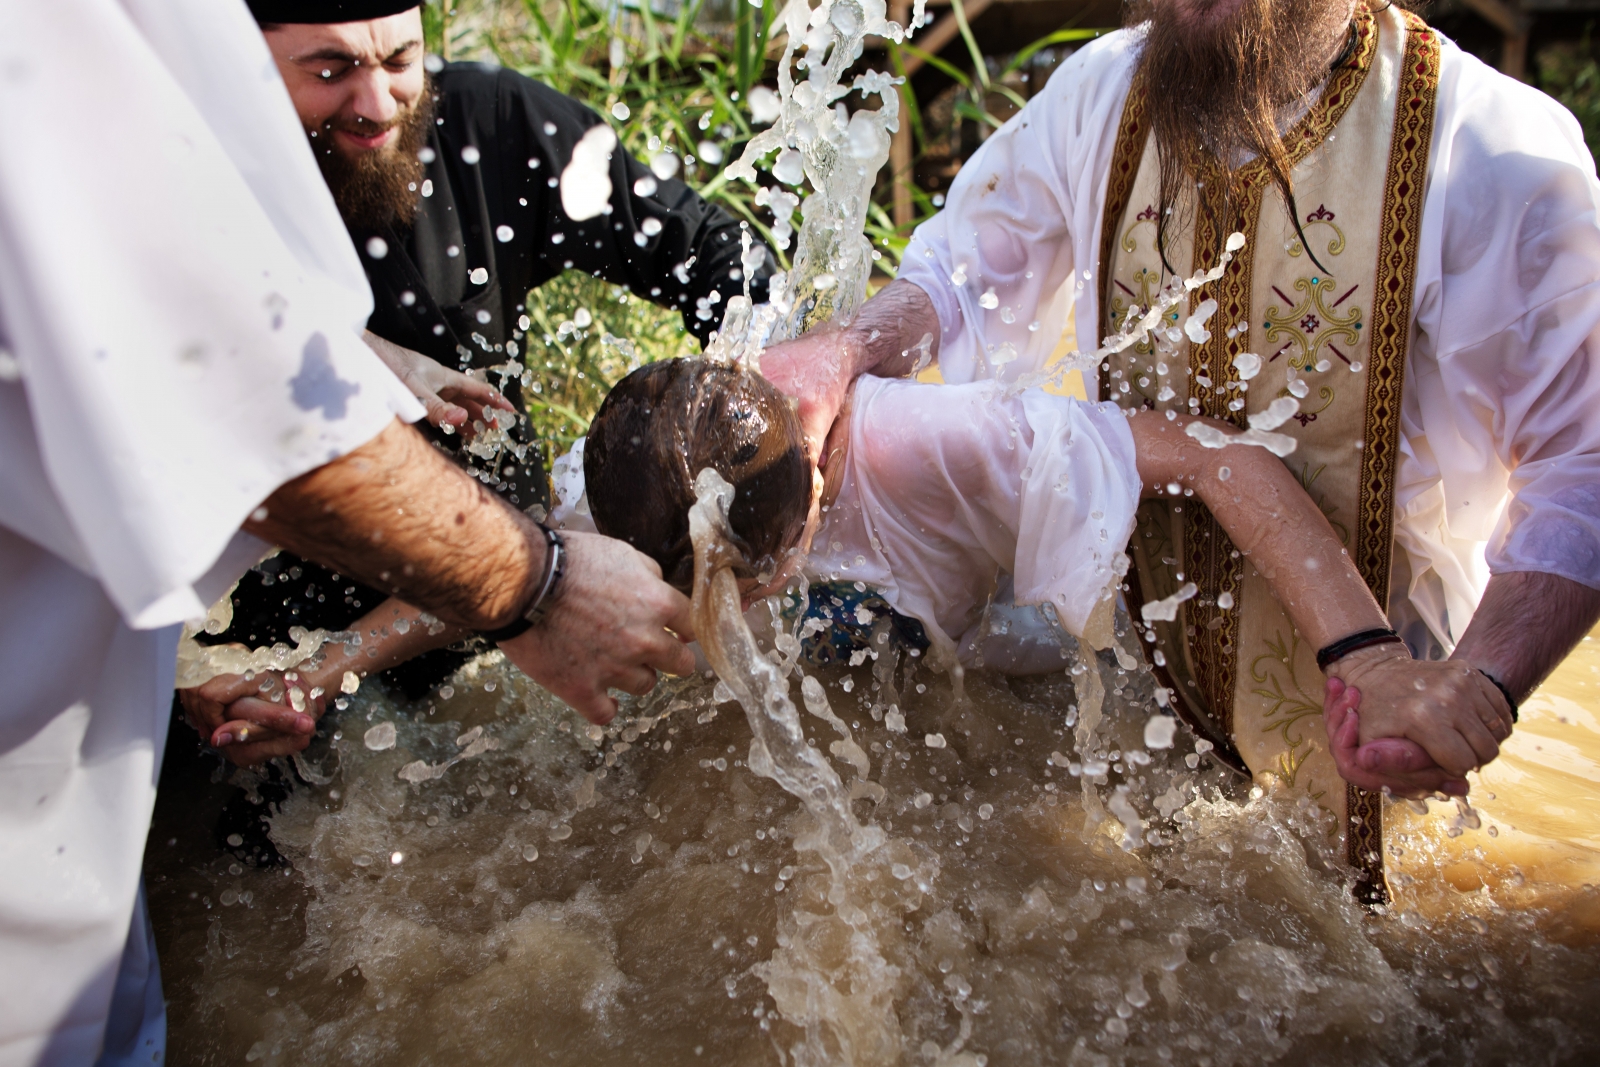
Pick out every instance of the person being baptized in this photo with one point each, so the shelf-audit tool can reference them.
(936, 494)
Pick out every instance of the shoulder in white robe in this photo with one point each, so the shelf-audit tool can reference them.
(1500, 445)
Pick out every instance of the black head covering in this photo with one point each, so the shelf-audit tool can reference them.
(326, 11)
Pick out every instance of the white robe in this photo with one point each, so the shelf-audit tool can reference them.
(180, 316)
(1500, 432)
(949, 488)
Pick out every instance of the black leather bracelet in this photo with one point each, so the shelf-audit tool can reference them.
(1512, 704)
(1346, 645)
(555, 552)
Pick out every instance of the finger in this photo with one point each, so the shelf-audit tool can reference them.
(1454, 787)
(1448, 748)
(462, 388)
(670, 656)
(635, 680)
(598, 708)
(204, 715)
(1477, 734)
(241, 732)
(252, 754)
(681, 622)
(442, 413)
(268, 715)
(1394, 756)
(1496, 701)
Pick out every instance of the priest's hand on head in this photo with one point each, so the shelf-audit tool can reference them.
(816, 370)
(252, 721)
(451, 398)
(613, 625)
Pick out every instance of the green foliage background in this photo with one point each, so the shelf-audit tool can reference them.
(1569, 72)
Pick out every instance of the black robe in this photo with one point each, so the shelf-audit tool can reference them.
(492, 203)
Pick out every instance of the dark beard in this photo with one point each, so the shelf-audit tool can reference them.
(1217, 88)
(382, 187)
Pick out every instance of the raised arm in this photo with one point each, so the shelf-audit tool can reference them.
(1451, 711)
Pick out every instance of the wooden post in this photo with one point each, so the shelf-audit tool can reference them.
(901, 148)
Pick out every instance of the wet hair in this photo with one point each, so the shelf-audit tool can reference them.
(665, 423)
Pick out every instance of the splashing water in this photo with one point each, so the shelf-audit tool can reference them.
(670, 913)
(816, 138)
(831, 980)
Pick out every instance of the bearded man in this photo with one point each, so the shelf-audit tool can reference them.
(451, 187)
(1420, 276)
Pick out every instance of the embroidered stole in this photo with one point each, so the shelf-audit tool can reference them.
(1335, 338)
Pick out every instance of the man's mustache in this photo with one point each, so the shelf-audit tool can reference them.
(363, 127)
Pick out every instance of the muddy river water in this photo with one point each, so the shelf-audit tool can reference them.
(559, 894)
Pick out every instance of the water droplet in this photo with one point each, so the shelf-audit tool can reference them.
(650, 227)
(470, 155)
(478, 276)
(530, 853)
(645, 186)
(620, 112)
(988, 301)
(380, 738)
(503, 234)
(396, 858)
(377, 247)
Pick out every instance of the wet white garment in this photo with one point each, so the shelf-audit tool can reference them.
(1500, 432)
(949, 488)
(180, 317)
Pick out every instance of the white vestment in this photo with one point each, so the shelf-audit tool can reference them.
(949, 488)
(1500, 432)
(180, 317)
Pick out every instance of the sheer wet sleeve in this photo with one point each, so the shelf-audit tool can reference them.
(1507, 380)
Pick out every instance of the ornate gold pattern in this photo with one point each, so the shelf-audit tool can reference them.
(1391, 333)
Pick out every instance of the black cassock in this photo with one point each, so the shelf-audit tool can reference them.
(452, 286)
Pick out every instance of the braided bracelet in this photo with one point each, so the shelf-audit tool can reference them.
(555, 552)
(1346, 645)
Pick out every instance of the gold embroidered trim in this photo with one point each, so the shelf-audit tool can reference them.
(1132, 130)
(1401, 224)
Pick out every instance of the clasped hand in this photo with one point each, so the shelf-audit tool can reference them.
(1415, 727)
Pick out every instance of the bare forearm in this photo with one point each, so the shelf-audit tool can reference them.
(399, 516)
(1270, 519)
(391, 634)
(1526, 625)
(892, 332)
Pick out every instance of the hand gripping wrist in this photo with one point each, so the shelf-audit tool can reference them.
(544, 591)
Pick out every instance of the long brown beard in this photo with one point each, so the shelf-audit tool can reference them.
(380, 187)
(1218, 88)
